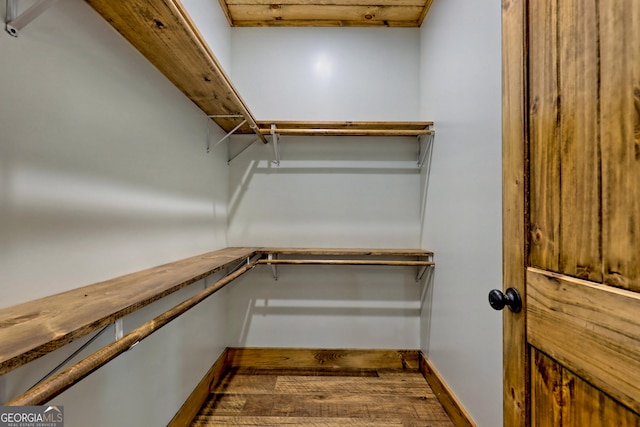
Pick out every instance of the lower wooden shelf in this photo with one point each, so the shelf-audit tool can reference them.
(35, 328)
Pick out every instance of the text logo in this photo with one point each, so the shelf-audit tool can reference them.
(31, 416)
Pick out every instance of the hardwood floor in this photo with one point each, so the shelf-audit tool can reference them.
(322, 397)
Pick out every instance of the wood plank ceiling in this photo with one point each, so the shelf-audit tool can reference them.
(325, 13)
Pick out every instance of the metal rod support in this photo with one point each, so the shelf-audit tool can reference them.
(243, 150)
(74, 354)
(425, 149)
(274, 268)
(276, 147)
(119, 326)
(231, 132)
(421, 272)
(15, 22)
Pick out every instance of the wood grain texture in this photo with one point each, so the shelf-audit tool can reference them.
(52, 387)
(514, 188)
(593, 330)
(585, 405)
(277, 358)
(325, 15)
(579, 178)
(405, 384)
(563, 399)
(452, 406)
(366, 404)
(620, 129)
(544, 136)
(316, 396)
(198, 397)
(361, 13)
(584, 75)
(32, 329)
(164, 33)
(546, 391)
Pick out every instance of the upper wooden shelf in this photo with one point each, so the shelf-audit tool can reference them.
(300, 128)
(34, 328)
(163, 32)
(326, 13)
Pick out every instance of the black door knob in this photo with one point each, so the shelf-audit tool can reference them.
(511, 298)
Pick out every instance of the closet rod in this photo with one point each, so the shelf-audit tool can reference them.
(349, 132)
(55, 385)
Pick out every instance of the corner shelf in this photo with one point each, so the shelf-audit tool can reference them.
(165, 34)
(35, 328)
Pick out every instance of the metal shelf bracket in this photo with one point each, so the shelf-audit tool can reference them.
(424, 148)
(231, 132)
(247, 148)
(421, 270)
(16, 22)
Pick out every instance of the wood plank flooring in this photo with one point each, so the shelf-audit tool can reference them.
(322, 397)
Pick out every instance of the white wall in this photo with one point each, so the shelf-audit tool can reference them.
(461, 92)
(327, 192)
(327, 73)
(103, 171)
(326, 307)
(212, 23)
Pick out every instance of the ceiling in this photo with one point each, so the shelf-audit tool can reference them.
(325, 13)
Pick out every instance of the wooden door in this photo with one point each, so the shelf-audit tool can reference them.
(571, 194)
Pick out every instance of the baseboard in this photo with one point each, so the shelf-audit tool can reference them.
(302, 358)
(194, 402)
(452, 406)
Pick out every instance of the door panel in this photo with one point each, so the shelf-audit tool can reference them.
(544, 147)
(620, 133)
(579, 180)
(591, 329)
(577, 199)
(562, 398)
(585, 405)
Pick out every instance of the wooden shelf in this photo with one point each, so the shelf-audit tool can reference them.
(348, 128)
(163, 32)
(34, 328)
